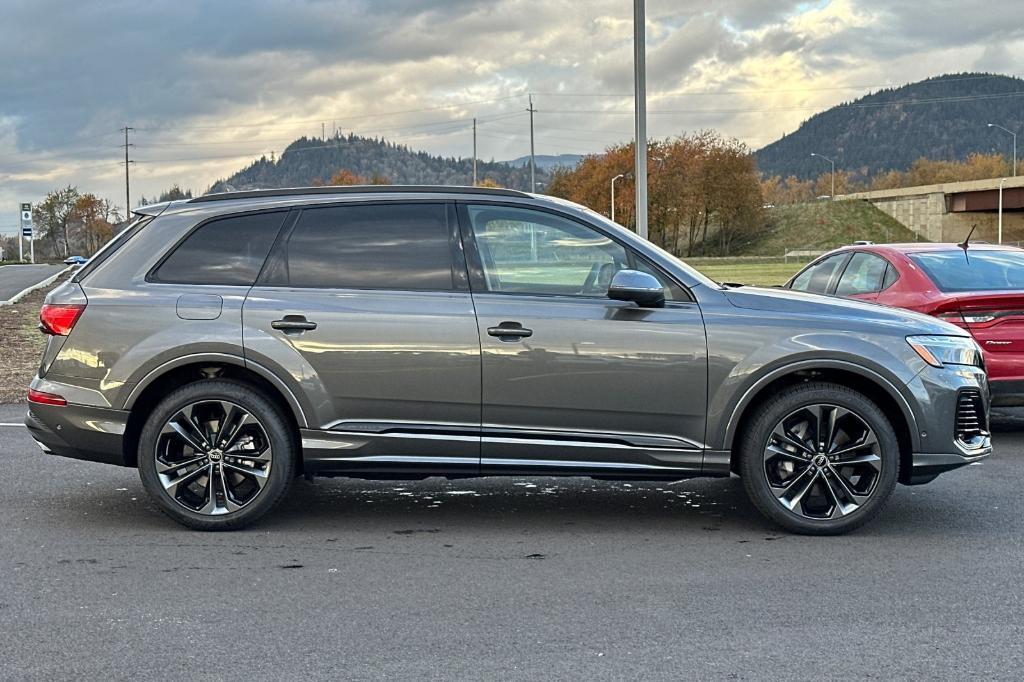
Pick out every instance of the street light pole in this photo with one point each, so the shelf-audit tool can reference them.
(1001, 181)
(640, 106)
(617, 177)
(1014, 170)
(833, 196)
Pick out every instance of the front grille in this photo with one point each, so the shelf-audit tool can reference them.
(971, 419)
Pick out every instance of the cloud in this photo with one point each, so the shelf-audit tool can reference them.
(210, 85)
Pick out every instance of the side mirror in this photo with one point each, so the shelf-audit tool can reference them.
(641, 288)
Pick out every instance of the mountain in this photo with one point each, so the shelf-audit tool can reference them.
(942, 118)
(308, 161)
(548, 162)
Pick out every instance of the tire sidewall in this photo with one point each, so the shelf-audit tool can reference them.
(278, 431)
(756, 437)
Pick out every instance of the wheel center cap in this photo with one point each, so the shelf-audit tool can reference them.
(820, 460)
(215, 455)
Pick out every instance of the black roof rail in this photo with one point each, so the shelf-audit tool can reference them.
(357, 189)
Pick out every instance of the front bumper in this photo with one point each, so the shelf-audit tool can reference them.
(926, 466)
(80, 432)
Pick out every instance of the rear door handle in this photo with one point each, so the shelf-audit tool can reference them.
(510, 331)
(295, 324)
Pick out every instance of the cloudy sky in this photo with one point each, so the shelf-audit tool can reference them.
(210, 86)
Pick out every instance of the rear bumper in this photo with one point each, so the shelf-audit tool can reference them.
(79, 432)
(1006, 393)
(926, 466)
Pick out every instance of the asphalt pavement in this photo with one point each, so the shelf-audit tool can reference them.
(16, 278)
(524, 578)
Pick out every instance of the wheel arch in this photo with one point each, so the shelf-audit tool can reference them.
(874, 386)
(191, 369)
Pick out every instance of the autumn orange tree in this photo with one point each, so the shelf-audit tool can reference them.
(703, 190)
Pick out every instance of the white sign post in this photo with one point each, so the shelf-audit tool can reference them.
(26, 231)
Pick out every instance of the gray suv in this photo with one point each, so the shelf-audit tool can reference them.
(226, 344)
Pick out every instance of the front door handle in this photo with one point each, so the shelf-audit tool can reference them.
(510, 331)
(293, 324)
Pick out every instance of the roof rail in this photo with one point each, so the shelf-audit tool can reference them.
(356, 189)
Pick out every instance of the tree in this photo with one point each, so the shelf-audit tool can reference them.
(94, 220)
(53, 216)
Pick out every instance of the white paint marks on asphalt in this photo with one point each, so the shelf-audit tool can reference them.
(12, 425)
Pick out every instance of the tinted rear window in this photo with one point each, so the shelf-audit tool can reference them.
(977, 271)
(113, 245)
(393, 246)
(227, 251)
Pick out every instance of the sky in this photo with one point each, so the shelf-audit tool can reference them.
(211, 86)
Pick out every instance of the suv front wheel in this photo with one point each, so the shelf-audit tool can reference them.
(216, 455)
(820, 459)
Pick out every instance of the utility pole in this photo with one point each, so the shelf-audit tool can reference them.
(474, 152)
(533, 160)
(640, 106)
(127, 183)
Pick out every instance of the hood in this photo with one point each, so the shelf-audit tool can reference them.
(789, 302)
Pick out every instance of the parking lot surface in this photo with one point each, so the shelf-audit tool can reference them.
(531, 578)
(16, 278)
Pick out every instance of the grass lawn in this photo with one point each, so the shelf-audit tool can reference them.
(758, 271)
(21, 345)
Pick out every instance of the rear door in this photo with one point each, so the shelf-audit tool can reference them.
(367, 307)
(574, 382)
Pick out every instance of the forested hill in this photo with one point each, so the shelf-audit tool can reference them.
(939, 118)
(309, 161)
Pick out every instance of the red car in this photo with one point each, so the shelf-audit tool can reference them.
(980, 289)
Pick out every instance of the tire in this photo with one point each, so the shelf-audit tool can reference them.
(179, 461)
(785, 475)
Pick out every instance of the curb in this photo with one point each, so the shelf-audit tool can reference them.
(39, 285)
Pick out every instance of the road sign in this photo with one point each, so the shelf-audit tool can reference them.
(26, 220)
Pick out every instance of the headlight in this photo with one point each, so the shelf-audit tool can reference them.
(947, 350)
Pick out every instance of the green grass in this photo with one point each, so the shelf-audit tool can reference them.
(761, 271)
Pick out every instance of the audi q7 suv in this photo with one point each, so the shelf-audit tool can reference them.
(226, 344)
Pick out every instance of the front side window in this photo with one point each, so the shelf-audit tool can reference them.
(226, 251)
(863, 275)
(371, 246)
(817, 277)
(533, 252)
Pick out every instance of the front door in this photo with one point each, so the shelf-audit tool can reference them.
(574, 382)
(367, 308)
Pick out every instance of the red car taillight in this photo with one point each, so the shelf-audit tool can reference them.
(953, 318)
(35, 396)
(59, 319)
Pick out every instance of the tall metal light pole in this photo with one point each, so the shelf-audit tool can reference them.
(833, 196)
(474, 152)
(533, 160)
(616, 178)
(1001, 181)
(640, 106)
(1014, 170)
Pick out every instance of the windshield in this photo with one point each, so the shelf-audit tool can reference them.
(976, 271)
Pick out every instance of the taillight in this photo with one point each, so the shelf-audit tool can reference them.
(978, 318)
(35, 396)
(952, 318)
(60, 319)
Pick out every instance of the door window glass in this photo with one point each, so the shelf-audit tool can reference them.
(371, 246)
(534, 252)
(816, 278)
(862, 276)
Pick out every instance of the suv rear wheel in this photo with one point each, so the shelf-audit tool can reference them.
(216, 455)
(820, 459)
